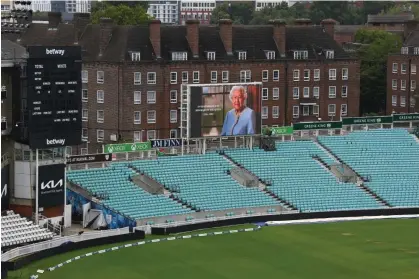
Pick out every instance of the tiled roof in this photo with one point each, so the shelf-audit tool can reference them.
(210, 40)
(12, 51)
(254, 40)
(173, 39)
(347, 28)
(413, 39)
(390, 18)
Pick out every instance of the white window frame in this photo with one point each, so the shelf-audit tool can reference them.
(306, 92)
(316, 94)
(402, 101)
(405, 50)
(173, 100)
(316, 110)
(275, 112)
(175, 133)
(333, 111)
(195, 76)
(394, 68)
(151, 78)
(100, 77)
(151, 100)
(135, 56)
(416, 50)
(412, 85)
(275, 75)
(84, 114)
(84, 76)
(173, 116)
(98, 118)
(330, 54)
(245, 76)
(295, 111)
(265, 112)
(100, 100)
(84, 134)
(224, 76)
(403, 71)
(413, 69)
(343, 112)
(179, 56)
(296, 93)
(137, 101)
(270, 55)
(242, 55)
(211, 55)
(185, 76)
(151, 120)
(296, 75)
(173, 77)
(137, 138)
(151, 134)
(275, 93)
(394, 100)
(300, 54)
(265, 94)
(83, 98)
(344, 94)
(306, 110)
(306, 77)
(316, 74)
(403, 84)
(98, 137)
(83, 151)
(345, 73)
(137, 78)
(214, 76)
(332, 74)
(394, 84)
(265, 75)
(332, 96)
(137, 120)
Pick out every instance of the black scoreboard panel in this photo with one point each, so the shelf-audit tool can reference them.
(54, 96)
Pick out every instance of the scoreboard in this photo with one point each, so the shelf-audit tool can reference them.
(54, 96)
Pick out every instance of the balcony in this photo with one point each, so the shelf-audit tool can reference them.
(5, 127)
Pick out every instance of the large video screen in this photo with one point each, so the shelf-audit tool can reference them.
(225, 110)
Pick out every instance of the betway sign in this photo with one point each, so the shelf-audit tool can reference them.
(166, 143)
(55, 141)
(54, 51)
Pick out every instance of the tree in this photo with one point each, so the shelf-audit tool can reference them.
(373, 54)
(341, 11)
(282, 11)
(403, 8)
(239, 13)
(96, 5)
(121, 14)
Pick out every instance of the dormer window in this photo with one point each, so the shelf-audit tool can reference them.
(242, 55)
(300, 54)
(416, 50)
(330, 54)
(270, 55)
(180, 56)
(405, 50)
(135, 56)
(211, 55)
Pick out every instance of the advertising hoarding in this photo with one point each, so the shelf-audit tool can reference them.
(5, 188)
(89, 158)
(225, 110)
(127, 147)
(51, 183)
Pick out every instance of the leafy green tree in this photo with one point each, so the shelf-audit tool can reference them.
(288, 14)
(239, 13)
(121, 14)
(402, 8)
(341, 11)
(373, 54)
(96, 5)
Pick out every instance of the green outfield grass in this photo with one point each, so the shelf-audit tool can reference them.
(361, 250)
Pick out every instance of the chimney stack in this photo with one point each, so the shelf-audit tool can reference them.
(226, 33)
(155, 38)
(329, 26)
(303, 22)
(54, 19)
(192, 35)
(279, 35)
(106, 27)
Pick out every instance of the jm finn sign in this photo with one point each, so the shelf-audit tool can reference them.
(166, 143)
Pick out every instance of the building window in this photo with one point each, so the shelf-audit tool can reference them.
(151, 134)
(416, 50)
(275, 93)
(224, 76)
(270, 55)
(185, 77)
(83, 151)
(413, 69)
(100, 116)
(316, 74)
(84, 134)
(265, 75)
(300, 54)
(343, 109)
(173, 116)
(394, 84)
(137, 97)
(403, 84)
(211, 55)
(295, 111)
(330, 54)
(344, 91)
(84, 95)
(151, 97)
(84, 76)
(316, 92)
(100, 135)
(306, 110)
(100, 96)
(84, 114)
(345, 74)
(265, 94)
(173, 96)
(151, 116)
(296, 93)
(137, 136)
(275, 112)
(394, 100)
(332, 91)
(402, 101)
(275, 75)
(403, 68)
(306, 92)
(306, 75)
(213, 76)
(137, 117)
(332, 110)
(137, 78)
(151, 78)
(173, 77)
(412, 85)
(173, 134)
(265, 112)
(135, 56)
(332, 74)
(100, 77)
(316, 110)
(296, 75)
(179, 56)
(395, 67)
(242, 55)
(405, 50)
(196, 77)
(412, 102)
(245, 76)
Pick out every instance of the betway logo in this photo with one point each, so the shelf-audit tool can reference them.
(54, 51)
(51, 184)
(55, 141)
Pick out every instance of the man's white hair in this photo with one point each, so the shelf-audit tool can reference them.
(240, 88)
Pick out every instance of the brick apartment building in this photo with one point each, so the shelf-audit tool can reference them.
(402, 75)
(132, 75)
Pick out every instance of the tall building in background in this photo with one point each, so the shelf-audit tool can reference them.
(166, 11)
(200, 10)
(41, 5)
